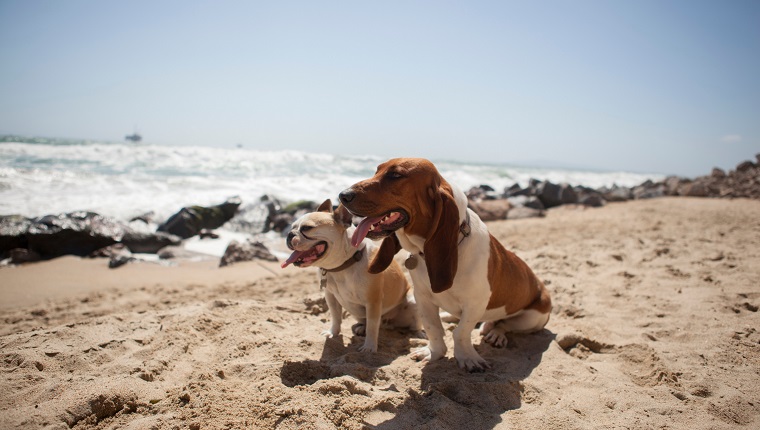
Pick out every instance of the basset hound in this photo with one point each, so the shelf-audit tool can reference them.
(455, 263)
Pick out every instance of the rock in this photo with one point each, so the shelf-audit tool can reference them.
(673, 185)
(23, 255)
(648, 190)
(617, 194)
(520, 212)
(549, 194)
(745, 166)
(281, 222)
(482, 192)
(149, 243)
(491, 210)
(13, 230)
(76, 233)
(191, 220)
(514, 191)
(695, 189)
(718, 173)
(552, 195)
(246, 251)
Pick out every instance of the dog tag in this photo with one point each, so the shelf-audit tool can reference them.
(411, 262)
(322, 279)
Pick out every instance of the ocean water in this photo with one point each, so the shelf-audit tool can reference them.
(124, 180)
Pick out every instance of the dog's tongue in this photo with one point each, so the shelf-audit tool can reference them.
(293, 257)
(362, 229)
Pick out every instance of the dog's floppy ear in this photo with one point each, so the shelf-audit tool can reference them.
(384, 256)
(441, 253)
(343, 216)
(326, 206)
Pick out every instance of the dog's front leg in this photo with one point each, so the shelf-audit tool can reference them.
(464, 351)
(336, 315)
(431, 322)
(374, 315)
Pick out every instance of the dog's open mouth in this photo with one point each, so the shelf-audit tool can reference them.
(306, 258)
(379, 227)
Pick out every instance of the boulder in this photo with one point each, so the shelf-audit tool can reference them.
(552, 195)
(149, 243)
(648, 190)
(189, 221)
(246, 251)
(616, 194)
(76, 233)
(13, 230)
(491, 210)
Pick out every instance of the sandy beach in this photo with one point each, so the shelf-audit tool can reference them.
(655, 325)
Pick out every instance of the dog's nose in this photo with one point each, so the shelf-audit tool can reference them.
(289, 240)
(347, 196)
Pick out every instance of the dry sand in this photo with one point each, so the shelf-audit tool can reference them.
(655, 325)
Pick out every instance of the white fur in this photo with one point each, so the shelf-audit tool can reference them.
(467, 299)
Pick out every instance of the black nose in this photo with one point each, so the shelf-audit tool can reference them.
(288, 241)
(347, 196)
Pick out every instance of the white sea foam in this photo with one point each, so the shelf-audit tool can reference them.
(124, 180)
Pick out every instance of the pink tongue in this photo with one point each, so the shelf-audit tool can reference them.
(362, 229)
(293, 257)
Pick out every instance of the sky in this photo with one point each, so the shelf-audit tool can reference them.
(665, 86)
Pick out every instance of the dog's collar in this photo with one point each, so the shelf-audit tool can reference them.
(346, 264)
(464, 228)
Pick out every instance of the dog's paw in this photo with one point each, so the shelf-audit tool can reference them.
(422, 354)
(368, 347)
(496, 338)
(474, 364)
(359, 329)
(329, 334)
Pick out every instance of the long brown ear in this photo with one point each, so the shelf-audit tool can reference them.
(343, 216)
(384, 256)
(441, 253)
(326, 206)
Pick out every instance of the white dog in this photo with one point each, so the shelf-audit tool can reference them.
(323, 239)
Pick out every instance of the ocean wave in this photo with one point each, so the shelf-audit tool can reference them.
(126, 179)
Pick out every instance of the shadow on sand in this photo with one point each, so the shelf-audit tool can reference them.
(455, 399)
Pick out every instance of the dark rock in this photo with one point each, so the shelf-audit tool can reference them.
(673, 185)
(594, 200)
(23, 255)
(514, 190)
(300, 206)
(695, 189)
(191, 220)
(491, 210)
(281, 222)
(246, 251)
(149, 243)
(549, 194)
(745, 166)
(207, 234)
(552, 195)
(147, 217)
(76, 233)
(482, 192)
(617, 194)
(648, 190)
(718, 173)
(13, 230)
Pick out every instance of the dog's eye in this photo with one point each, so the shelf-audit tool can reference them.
(305, 228)
(394, 175)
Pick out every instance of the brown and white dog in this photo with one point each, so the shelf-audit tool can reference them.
(455, 263)
(323, 239)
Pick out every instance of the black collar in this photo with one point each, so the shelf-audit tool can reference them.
(346, 264)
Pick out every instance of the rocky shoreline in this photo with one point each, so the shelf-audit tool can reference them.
(24, 240)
